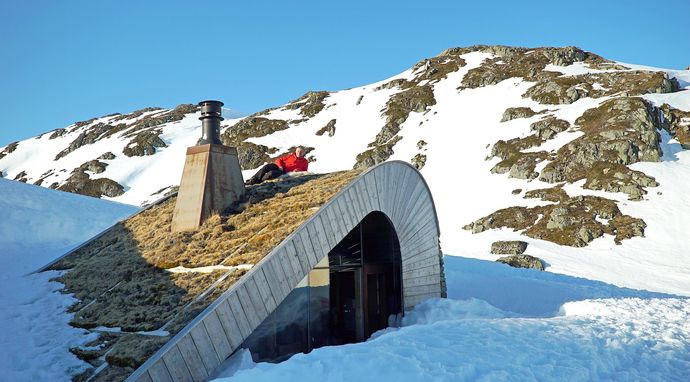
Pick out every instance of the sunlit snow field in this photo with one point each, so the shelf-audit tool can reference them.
(506, 324)
(602, 312)
(37, 225)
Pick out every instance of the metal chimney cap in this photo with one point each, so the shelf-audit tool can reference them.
(211, 115)
(211, 101)
(211, 108)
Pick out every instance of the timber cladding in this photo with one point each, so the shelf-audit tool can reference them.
(394, 188)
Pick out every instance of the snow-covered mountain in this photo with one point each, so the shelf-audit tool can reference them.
(581, 157)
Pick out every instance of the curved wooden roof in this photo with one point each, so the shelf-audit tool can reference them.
(394, 188)
(140, 277)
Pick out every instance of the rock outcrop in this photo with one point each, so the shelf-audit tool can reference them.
(398, 108)
(329, 128)
(144, 143)
(80, 182)
(568, 89)
(522, 261)
(9, 149)
(310, 104)
(528, 64)
(676, 122)
(572, 221)
(512, 247)
(619, 132)
(517, 112)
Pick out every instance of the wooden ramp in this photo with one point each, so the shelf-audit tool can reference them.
(394, 188)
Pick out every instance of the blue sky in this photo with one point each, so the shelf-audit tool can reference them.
(65, 61)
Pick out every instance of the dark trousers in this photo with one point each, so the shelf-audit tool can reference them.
(269, 171)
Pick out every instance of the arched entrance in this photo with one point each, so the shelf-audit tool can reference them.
(365, 280)
(350, 294)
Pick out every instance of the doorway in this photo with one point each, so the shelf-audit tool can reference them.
(365, 280)
(345, 298)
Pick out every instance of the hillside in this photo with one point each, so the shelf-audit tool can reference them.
(579, 156)
(38, 226)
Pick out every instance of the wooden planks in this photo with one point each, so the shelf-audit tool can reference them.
(230, 324)
(159, 372)
(192, 358)
(176, 366)
(204, 346)
(219, 337)
(146, 377)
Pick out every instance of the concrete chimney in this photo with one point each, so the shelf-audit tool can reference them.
(211, 178)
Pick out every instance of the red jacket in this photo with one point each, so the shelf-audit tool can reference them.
(291, 163)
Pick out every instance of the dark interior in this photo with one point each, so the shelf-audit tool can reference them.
(344, 299)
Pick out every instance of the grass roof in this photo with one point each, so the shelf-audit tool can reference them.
(129, 278)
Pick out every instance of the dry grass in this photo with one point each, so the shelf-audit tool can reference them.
(121, 279)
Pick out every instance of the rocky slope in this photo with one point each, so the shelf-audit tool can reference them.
(549, 144)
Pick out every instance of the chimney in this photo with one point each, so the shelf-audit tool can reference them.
(211, 178)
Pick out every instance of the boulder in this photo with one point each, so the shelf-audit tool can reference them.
(517, 112)
(81, 183)
(328, 128)
(107, 156)
(144, 143)
(522, 261)
(94, 166)
(252, 155)
(564, 56)
(559, 218)
(547, 128)
(512, 247)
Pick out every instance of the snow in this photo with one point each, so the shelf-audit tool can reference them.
(564, 329)
(39, 225)
(459, 131)
(604, 311)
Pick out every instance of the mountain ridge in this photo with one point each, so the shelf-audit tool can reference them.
(515, 143)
